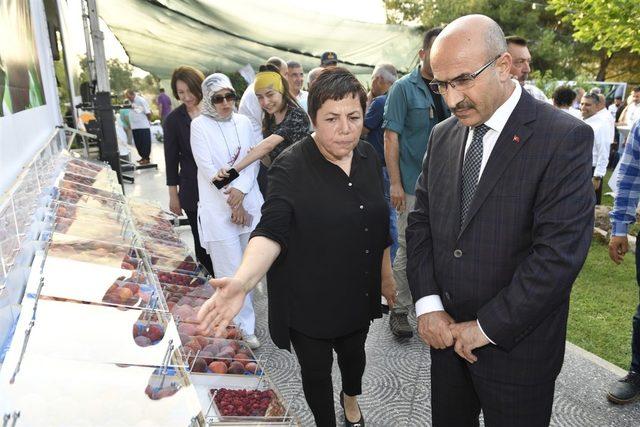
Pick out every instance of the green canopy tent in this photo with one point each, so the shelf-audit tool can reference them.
(159, 35)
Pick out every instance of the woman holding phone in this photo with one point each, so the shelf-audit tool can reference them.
(226, 218)
(284, 124)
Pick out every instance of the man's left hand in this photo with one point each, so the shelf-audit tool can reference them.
(467, 336)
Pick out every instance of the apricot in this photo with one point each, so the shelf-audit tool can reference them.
(133, 287)
(124, 294)
(251, 367)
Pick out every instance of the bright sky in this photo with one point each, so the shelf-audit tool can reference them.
(358, 10)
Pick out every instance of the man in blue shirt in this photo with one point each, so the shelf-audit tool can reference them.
(383, 76)
(410, 112)
(623, 214)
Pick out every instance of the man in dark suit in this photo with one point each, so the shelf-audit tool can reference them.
(501, 227)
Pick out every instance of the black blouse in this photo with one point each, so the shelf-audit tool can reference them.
(180, 165)
(292, 128)
(332, 230)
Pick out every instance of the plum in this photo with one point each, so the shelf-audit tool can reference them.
(236, 368)
(198, 365)
(142, 341)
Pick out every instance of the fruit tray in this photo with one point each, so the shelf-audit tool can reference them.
(220, 356)
(184, 266)
(171, 292)
(65, 210)
(85, 189)
(181, 279)
(100, 333)
(166, 250)
(88, 201)
(95, 252)
(154, 233)
(142, 209)
(81, 281)
(96, 167)
(189, 330)
(153, 223)
(100, 184)
(92, 230)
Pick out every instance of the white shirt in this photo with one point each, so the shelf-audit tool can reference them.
(535, 92)
(573, 111)
(496, 123)
(601, 143)
(613, 109)
(302, 99)
(214, 145)
(610, 124)
(633, 114)
(250, 107)
(138, 115)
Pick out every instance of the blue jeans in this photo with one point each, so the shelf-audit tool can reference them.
(393, 215)
(635, 337)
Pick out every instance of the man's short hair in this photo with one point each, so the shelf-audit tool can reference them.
(278, 62)
(593, 96)
(596, 90)
(563, 96)
(636, 89)
(387, 71)
(129, 92)
(520, 41)
(313, 75)
(429, 35)
(294, 64)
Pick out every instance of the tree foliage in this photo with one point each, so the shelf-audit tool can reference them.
(558, 52)
(607, 25)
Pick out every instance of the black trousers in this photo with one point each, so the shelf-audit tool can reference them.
(457, 396)
(599, 190)
(142, 139)
(201, 253)
(316, 359)
(635, 335)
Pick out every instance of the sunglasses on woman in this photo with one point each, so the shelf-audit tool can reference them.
(219, 99)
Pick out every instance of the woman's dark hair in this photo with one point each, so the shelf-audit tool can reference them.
(334, 83)
(287, 100)
(191, 77)
(564, 96)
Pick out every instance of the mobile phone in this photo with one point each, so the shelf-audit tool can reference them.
(233, 174)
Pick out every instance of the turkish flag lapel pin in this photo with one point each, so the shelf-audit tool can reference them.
(516, 139)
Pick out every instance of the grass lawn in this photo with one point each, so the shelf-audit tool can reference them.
(603, 301)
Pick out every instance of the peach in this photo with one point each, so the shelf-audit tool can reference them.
(125, 293)
(251, 367)
(204, 342)
(199, 365)
(153, 332)
(133, 287)
(236, 368)
(218, 367)
(241, 357)
(142, 341)
(187, 329)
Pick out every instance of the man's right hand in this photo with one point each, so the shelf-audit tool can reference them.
(434, 329)
(397, 197)
(618, 246)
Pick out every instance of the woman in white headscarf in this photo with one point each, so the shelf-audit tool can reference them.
(226, 217)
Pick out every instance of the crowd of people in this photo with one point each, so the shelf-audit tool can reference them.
(457, 190)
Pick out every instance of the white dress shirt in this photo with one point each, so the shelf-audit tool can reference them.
(250, 107)
(602, 140)
(496, 123)
(633, 113)
(302, 97)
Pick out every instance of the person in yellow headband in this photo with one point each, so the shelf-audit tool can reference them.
(284, 123)
(269, 80)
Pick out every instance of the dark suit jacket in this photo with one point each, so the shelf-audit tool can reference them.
(512, 263)
(180, 165)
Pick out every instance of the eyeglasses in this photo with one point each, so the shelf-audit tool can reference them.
(462, 82)
(219, 99)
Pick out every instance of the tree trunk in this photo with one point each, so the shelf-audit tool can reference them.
(605, 59)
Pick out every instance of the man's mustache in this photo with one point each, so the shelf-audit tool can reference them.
(463, 105)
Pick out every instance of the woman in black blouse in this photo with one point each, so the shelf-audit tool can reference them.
(182, 172)
(324, 242)
(284, 123)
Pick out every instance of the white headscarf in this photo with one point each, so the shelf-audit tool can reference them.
(212, 84)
